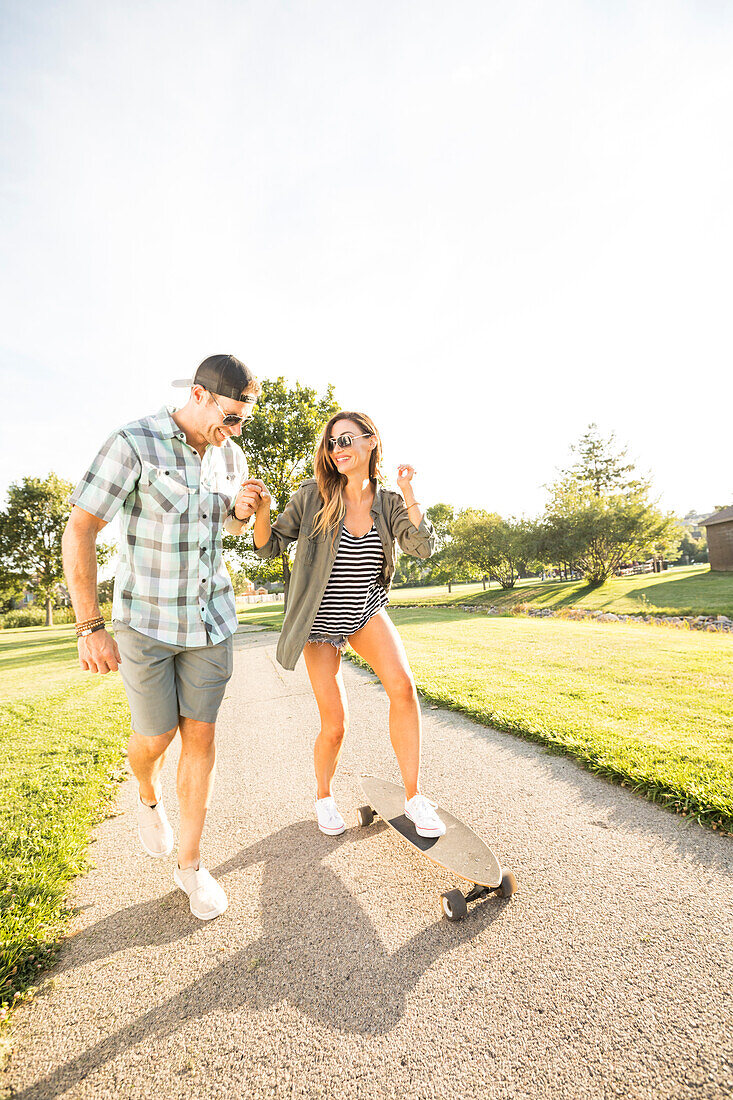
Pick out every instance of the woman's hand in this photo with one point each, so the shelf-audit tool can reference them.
(405, 474)
(254, 496)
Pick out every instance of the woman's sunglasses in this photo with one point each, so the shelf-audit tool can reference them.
(343, 441)
(230, 419)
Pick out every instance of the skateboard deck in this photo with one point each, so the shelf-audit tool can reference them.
(460, 850)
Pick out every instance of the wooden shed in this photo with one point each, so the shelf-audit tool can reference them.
(719, 529)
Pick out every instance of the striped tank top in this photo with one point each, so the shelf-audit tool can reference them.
(353, 593)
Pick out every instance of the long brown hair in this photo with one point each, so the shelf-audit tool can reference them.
(330, 482)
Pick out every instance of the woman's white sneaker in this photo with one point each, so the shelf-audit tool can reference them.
(205, 896)
(330, 820)
(153, 828)
(421, 811)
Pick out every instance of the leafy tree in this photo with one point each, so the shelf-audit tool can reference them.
(601, 468)
(30, 536)
(439, 569)
(601, 534)
(599, 516)
(691, 550)
(280, 441)
(483, 542)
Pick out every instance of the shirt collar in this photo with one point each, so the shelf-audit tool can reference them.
(166, 424)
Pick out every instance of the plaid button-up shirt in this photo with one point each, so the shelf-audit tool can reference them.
(171, 581)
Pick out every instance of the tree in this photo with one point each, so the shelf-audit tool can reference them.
(601, 469)
(280, 441)
(599, 516)
(439, 569)
(483, 542)
(30, 536)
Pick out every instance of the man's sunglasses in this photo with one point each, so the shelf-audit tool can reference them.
(232, 419)
(345, 440)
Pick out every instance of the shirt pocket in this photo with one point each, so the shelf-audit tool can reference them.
(165, 490)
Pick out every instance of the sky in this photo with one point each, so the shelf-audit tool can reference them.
(487, 224)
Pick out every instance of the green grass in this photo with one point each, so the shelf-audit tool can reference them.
(692, 590)
(648, 708)
(269, 615)
(438, 594)
(62, 736)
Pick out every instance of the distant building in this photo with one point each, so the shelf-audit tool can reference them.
(719, 529)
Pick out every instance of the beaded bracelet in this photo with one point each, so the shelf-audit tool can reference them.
(89, 626)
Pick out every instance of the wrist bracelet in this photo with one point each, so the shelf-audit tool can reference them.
(87, 630)
(414, 503)
(89, 622)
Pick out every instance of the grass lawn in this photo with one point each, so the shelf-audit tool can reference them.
(438, 594)
(62, 737)
(692, 590)
(651, 709)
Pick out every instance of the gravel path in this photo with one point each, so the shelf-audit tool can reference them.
(333, 975)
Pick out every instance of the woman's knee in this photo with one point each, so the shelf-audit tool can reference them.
(402, 691)
(334, 730)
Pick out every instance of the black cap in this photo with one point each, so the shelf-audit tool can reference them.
(224, 375)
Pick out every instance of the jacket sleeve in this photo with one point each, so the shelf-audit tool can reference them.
(418, 542)
(285, 529)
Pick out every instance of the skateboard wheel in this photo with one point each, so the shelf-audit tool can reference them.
(365, 815)
(454, 904)
(508, 885)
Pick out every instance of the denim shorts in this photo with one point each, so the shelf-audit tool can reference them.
(338, 641)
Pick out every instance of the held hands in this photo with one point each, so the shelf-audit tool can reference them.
(252, 496)
(98, 652)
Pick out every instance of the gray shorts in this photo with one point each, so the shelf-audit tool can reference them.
(164, 681)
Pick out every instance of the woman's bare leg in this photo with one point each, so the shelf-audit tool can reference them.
(379, 643)
(323, 662)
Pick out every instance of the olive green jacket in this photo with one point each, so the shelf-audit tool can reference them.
(316, 554)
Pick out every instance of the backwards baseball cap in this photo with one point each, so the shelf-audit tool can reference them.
(224, 375)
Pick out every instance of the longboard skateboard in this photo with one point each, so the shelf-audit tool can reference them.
(459, 850)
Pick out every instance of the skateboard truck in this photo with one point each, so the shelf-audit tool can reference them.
(454, 903)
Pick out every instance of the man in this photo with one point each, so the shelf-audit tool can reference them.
(175, 479)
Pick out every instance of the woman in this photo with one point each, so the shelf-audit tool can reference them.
(346, 526)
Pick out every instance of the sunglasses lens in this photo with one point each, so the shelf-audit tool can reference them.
(345, 440)
(230, 420)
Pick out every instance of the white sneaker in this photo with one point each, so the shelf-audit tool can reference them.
(206, 897)
(153, 828)
(421, 811)
(330, 820)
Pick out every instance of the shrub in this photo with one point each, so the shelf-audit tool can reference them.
(36, 616)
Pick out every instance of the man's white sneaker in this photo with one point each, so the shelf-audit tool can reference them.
(421, 811)
(205, 896)
(153, 828)
(330, 820)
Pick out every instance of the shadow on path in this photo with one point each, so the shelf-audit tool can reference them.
(318, 951)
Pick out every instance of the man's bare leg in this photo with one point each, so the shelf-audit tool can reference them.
(195, 783)
(147, 756)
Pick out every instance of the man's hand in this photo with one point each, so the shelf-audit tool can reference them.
(98, 652)
(255, 490)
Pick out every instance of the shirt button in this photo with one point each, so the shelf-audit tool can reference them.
(204, 516)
